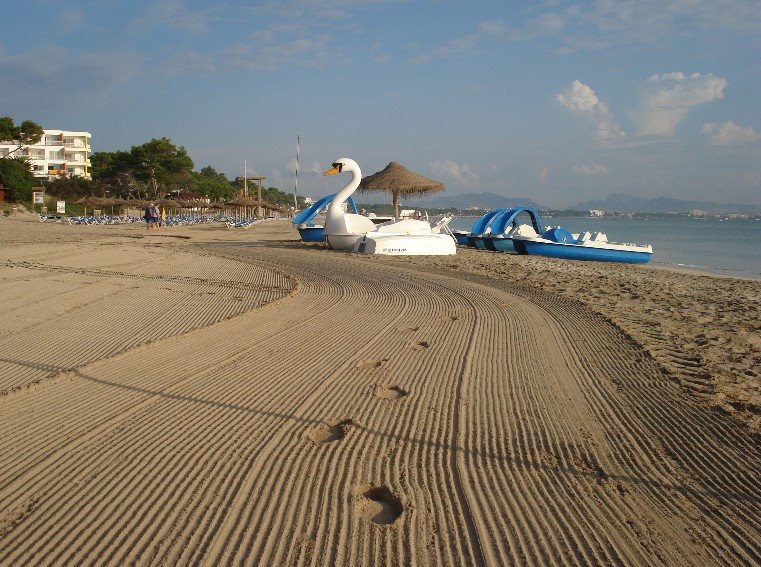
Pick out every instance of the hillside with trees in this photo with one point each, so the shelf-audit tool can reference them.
(158, 168)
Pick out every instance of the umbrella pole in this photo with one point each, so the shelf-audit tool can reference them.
(396, 205)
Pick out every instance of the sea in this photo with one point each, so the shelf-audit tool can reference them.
(721, 246)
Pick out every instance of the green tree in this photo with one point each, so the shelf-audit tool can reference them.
(162, 165)
(269, 194)
(151, 169)
(213, 184)
(25, 134)
(275, 195)
(17, 178)
(105, 165)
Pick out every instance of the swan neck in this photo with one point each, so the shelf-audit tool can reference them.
(346, 192)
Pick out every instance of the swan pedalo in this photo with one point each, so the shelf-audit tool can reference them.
(406, 237)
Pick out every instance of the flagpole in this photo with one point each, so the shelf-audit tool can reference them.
(296, 185)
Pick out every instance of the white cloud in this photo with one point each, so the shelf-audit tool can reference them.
(667, 100)
(581, 99)
(250, 171)
(604, 23)
(486, 31)
(313, 167)
(459, 173)
(730, 134)
(592, 169)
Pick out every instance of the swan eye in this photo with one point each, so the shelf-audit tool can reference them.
(338, 165)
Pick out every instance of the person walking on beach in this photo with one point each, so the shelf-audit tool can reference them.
(147, 216)
(156, 216)
(151, 216)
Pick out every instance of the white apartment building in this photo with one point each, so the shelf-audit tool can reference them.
(59, 152)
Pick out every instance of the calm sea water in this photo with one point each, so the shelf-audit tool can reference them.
(731, 248)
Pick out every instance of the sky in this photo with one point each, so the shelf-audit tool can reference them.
(556, 101)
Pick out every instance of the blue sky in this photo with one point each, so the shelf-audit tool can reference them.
(557, 101)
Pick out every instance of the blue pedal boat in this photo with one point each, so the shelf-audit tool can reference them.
(304, 221)
(490, 232)
(557, 242)
(504, 224)
(480, 228)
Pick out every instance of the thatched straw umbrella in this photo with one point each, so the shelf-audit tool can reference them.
(216, 206)
(275, 208)
(398, 180)
(119, 202)
(243, 203)
(89, 200)
(165, 204)
(269, 207)
(192, 205)
(108, 202)
(138, 204)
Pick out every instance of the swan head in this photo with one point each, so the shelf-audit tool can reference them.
(341, 165)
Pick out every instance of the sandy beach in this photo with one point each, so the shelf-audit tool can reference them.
(210, 396)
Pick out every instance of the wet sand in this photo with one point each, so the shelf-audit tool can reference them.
(211, 396)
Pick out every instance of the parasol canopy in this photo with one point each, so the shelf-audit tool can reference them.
(398, 180)
(242, 202)
(88, 201)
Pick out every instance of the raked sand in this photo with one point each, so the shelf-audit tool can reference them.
(210, 396)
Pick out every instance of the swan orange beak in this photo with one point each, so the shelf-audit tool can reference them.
(332, 171)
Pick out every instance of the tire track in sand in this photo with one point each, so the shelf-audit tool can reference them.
(154, 360)
(129, 309)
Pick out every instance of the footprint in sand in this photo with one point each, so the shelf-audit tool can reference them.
(408, 329)
(377, 504)
(420, 345)
(329, 432)
(387, 392)
(371, 364)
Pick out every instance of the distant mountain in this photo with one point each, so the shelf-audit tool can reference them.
(465, 200)
(616, 202)
(632, 204)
